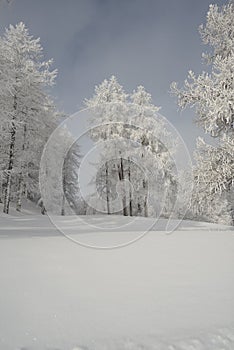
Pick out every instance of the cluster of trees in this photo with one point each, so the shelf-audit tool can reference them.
(136, 174)
(212, 94)
(136, 171)
(27, 116)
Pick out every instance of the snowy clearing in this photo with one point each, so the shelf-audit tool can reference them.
(171, 292)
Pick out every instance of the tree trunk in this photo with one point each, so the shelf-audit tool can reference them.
(10, 162)
(19, 194)
(63, 205)
(1, 189)
(145, 207)
(107, 190)
(145, 199)
(130, 190)
(43, 210)
(121, 177)
(20, 185)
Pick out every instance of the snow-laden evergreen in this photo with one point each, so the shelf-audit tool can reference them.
(59, 186)
(212, 94)
(136, 166)
(70, 179)
(26, 112)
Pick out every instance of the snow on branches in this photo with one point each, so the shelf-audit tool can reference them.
(212, 95)
(27, 114)
(134, 158)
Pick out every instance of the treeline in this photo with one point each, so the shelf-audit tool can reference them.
(136, 173)
(212, 95)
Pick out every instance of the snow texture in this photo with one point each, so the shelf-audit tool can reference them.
(164, 292)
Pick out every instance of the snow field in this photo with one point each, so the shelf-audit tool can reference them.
(171, 292)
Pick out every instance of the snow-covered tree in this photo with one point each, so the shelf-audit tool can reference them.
(152, 151)
(29, 153)
(70, 178)
(215, 165)
(54, 177)
(25, 108)
(108, 103)
(219, 31)
(133, 137)
(212, 94)
(109, 110)
(213, 176)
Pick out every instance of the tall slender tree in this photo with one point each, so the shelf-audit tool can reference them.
(70, 178)
(109, 106)
(212, 94)
(25, 109)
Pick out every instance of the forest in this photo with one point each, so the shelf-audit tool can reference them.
(137, 174)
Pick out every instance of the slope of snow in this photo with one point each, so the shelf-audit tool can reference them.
(171, 292)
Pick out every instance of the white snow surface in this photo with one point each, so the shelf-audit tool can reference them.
(164, 292)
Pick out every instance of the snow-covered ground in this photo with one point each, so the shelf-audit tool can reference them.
(164, 292)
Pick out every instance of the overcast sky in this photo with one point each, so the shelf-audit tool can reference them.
(147, 42)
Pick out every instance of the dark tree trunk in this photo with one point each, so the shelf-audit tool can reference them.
(121, 178)
(107, 190)
(20, 184)
(130, 190)
(145, 198)
(10, 162)
(63, 205)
